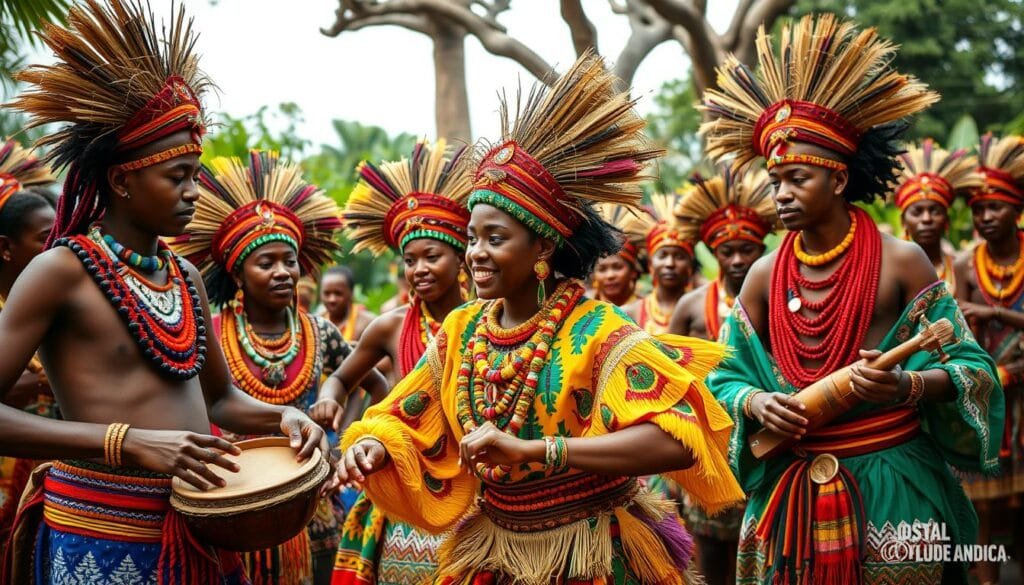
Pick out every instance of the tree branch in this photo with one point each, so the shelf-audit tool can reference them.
(704, 45)
(409, 21)
(649, 30)
(762, 11)
(495, 40)
(584, 33)
(732, 33)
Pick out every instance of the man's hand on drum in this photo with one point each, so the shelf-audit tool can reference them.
(361, 459)
(489, 445)
(183, 454)
(327, 413)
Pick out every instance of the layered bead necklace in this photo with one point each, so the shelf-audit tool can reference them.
(272, 356)
(839, 320)
(652, 312)
(992, 277)
(500, 368)
(166, 321)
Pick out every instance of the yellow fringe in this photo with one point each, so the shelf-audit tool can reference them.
(581, 550)
(398, 488)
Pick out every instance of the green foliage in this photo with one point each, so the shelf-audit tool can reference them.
(673, 126)
(18, 18)
(235, 137)
(972, 53)
(964, 134)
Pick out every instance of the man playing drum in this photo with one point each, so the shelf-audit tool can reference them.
(120, 321)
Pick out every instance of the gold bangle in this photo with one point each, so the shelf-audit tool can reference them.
(113, 441)
(748, 401)
(916, 389)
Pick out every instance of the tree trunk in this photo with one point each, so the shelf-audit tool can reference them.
(451, 106)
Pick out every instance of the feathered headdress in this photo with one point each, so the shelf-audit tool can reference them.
(19, 168)
(733, 205)
(120, 82)
(241, 208)
(618, 216)
(655, 227)
(420, 197)
(929, 173)
(569, 146)
(1001, 163)
(829, 85)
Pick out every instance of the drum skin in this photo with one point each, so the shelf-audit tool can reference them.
(273, 504)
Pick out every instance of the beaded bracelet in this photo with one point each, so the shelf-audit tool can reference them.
(916, 389)
(556, 453)
(113, 444)
(747, 401)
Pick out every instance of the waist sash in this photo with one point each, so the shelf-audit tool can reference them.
(535, 506)
(813, 521)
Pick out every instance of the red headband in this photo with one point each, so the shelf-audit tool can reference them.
(426, 215)
(512, 173)
(924, 187)
(733, 222)
(252, 225)
(663, 235)
(999, 186)
(173, 109)
(797, 121)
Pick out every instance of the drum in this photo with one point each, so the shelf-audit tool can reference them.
(270, 500)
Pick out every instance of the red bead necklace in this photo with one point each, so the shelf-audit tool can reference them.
(839, 321)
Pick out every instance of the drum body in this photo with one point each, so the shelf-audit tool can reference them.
(270, 500)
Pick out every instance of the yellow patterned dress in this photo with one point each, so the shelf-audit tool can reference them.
(534, 525)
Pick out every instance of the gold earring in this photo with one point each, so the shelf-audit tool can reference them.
(541, 270)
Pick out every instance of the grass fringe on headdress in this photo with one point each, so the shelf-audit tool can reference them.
(22, 164)
(1004, 154)
(956, 167)
(750, 189)
(432, 168)
(830, 63)
(112, 58)
(637, 226)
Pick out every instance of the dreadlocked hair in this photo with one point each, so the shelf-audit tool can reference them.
(112, 60)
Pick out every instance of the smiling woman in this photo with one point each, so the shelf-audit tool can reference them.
(544, 394)
(255, 231)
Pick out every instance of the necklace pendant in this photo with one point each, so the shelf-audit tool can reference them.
(795, 304)
(273, 374)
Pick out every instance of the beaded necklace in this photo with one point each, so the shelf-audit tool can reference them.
(497, 381)
(840, 319)
(170, 332)
(273, 355)
(992, 277)
(651, 312)
(267, 386)
(826, 257)
(148, 264)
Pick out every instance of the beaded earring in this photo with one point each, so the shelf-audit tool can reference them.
(541, 270)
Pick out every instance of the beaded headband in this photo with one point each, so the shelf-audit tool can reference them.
(418, 197)
(1001, 164)
(574, 144)
(929, 173)
(828, 85)
(19, 168)
(732, 205)
(121, 81)
(242, 208)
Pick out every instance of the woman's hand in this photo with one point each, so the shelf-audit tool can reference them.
(183, 454)
(878, 386)
(489, 445)
(976, 312)
(361, 459)
(779, 413)
(327, 413)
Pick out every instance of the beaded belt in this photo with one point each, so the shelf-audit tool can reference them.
(542, 505)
